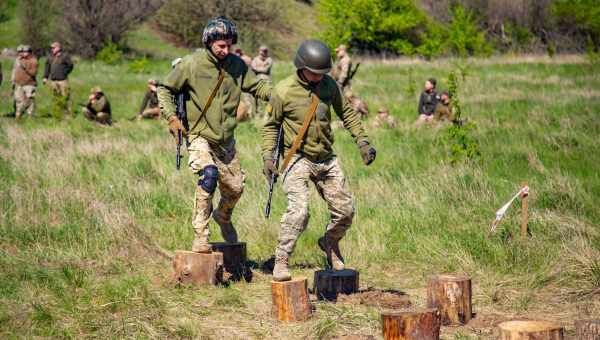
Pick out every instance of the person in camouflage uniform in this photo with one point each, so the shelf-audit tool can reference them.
(149, 108)
(23, 79)
(262, 63)
(314, 160)
(427, 103)
(342, 70)
(384, 119)
(210, 128)
(58, 67)
(245, 109)
(443, 109)
(98, 108)
(357, 104)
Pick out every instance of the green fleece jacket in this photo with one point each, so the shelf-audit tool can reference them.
(289, 105)
(197, 75)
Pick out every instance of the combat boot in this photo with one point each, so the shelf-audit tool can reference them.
(281, 271)
(201, 245)
(227, 230)
(332, 251)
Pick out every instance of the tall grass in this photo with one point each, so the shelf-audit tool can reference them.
(86, 211)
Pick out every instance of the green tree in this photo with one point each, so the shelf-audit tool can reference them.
(585, 14)
(464, 36)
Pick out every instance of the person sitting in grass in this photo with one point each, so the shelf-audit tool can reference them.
(443, 109)
(150, 108)
(98, 107)
(427, 103)
(384, 119)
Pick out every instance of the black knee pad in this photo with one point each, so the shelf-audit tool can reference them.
(208, 181)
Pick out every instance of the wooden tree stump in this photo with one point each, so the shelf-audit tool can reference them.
(197, 269)
(530, 330)
(234, 259)
(290, 299)
(411, 325)
(587, 329)
(451, 294)
(329, 283)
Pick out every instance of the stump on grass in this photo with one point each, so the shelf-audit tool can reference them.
(451, 294)
(329, 283)
(234, 259)
(587, 329)
(411, 325)
(197, 268)
(530, 330)
(290, 299)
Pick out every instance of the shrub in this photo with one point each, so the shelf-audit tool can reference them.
(36, 19)
(464, 36)
(110, 54)
(139, 65)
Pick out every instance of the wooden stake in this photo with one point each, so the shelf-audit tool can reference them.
(451, 294)
(197, 269)
(329, 283)
(587, 329)
(524, 212)
(411, 325)
(530, 330)
(290, 300)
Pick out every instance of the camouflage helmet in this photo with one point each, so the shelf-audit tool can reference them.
(96, 89)
(19, 48)
(263, 48)
(219, 28)
(314, 56)
(152, 82)
(26, 48)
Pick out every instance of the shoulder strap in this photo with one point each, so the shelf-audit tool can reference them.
(210, 98)
(300, 136)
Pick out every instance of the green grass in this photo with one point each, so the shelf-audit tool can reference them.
(86, 208)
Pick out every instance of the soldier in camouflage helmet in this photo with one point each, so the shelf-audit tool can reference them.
(314, 161)
(443, 109)
(98, 108)
(384, 119)
(343, 67)
(149, 108)
(212, 81)
(24, 81)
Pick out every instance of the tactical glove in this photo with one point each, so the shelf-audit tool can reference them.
(269, 169)
(367, 153)
(175, 126)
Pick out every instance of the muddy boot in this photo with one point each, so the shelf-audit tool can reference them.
(281, 272)
(227, 230)
(201, 245)
(332, 251)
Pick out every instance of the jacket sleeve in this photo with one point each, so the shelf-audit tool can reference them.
(68, 64)
(47, 68)
(421, 103)
(344, 71)
(349, 117)
(259, 88)
(145, 101)
(168, 89)
(272, 126)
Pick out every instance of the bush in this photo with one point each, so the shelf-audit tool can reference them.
(110, 54)
(583, 14)
(36, 19)
(141, 65)
(464, 36)
(373, 25)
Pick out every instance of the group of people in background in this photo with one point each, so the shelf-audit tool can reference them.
(432, 106)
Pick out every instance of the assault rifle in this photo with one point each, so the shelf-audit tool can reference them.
(351, 74)
(273, 178)
(182, 116)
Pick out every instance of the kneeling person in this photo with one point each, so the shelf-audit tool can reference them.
(98, 107)
(150, 108)
(305, 99)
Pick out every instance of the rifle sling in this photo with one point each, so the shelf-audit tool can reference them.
(310, 114)
(210, 99)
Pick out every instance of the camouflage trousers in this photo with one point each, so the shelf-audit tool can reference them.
(100, 117)
(230, 184)
(151, 113)
(24, 100)
(331, 185)
(62, 96)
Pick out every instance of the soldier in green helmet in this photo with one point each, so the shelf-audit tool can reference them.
(306, 99)
(212, 81)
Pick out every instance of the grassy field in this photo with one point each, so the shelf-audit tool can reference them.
(87, 211)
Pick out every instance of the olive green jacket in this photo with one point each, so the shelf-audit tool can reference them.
(289, 105)
(197, 75)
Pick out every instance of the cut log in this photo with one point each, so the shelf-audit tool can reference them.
(530, 330)
(587, 329)
(197, 269)
(234, 259)
(329, 283)
(411, 325)
(451, 294)
(290, 300)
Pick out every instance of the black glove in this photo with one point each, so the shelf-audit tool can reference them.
(269, 169)
(367, 153)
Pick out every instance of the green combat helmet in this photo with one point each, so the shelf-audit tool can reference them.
(314, 56)
(219, 28)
